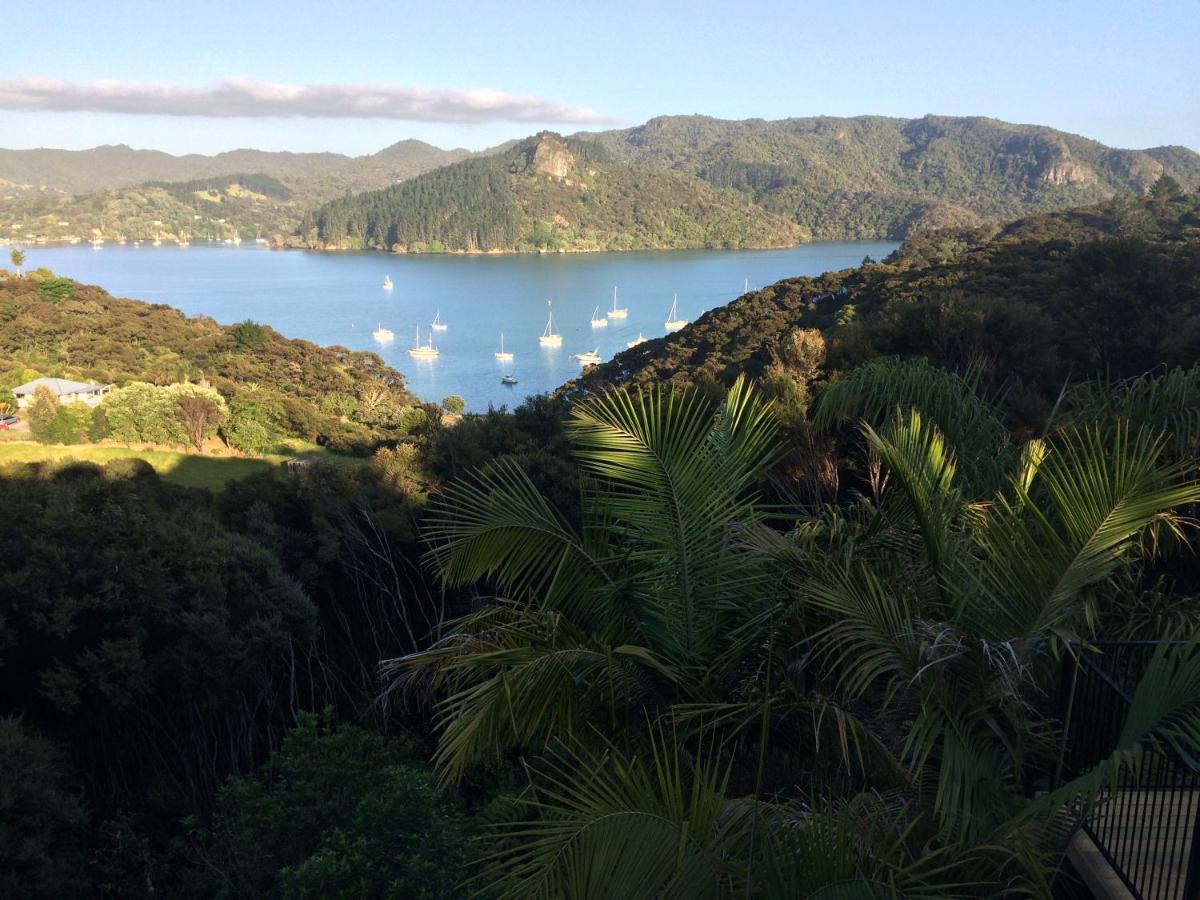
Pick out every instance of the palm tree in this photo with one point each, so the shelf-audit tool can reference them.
(18, 259)
(641, 605)
(917, 631)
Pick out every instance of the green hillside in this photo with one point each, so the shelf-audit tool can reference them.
(118, 192)
(547, 193)
(876, 177)
(1108, 288)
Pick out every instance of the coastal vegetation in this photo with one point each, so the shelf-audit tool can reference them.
(1025, 308)
(693, 181)
(674, 182)
(182, 380)
(120, 193)
(547, 193)
(780, 605)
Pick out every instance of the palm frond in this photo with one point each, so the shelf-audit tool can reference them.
(519, 676)
(495, 524)
(1095, 497)
(970, 423)
(605, 824)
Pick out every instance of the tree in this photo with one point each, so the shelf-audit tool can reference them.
(920, 634)
(249, 335)
(454, 405)
(338, 813)
(41, 820)
(197, 413)
(42, 411)
(256, 421)
(608, 622)
(1165, 187)
(18, 259)
(140, 412)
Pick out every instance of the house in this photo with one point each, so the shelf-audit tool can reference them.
(67, 391)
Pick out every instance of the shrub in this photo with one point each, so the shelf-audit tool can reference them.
(57, 289)
(338, 404)
(454, 404)
(256, 421)
(196, 413)
(249, 334)
(42, 411)
(40, 818)
(99, 428)
(140, 412)
(337, 812)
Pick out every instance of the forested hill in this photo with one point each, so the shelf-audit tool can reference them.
(115, 166)
(51, 326)
(548, 193)
(1107, 289)
(118, 193)
(876, 177)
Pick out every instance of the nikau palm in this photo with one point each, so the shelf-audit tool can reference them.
(906, 645)
(634, 610)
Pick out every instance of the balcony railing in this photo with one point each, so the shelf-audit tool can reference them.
(1146, 826)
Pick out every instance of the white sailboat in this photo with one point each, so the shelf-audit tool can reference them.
(617, 312)
(387, 282)
(549, 338)
(423, 351)
(383, 335)
(590, 358)
(503, 355)
(437, 324)
(674, 323)
(598, 322)
(637, 340)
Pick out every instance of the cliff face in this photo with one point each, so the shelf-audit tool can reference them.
(550, 156)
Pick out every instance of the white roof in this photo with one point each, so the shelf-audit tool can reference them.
(60, 386)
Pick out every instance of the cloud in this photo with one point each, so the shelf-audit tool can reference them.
(249, 98)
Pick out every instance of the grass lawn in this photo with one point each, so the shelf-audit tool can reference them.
(187, 469)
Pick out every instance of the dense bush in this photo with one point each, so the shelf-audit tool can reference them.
(41, 818)
(337, 812)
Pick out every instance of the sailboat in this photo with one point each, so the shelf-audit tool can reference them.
(423, 351)
(437, 324)
(387, 282)
(590, 358)
(616, 312)
(637, 340)
(549, 338)
(503, 355)
(674, 323)
(383, 335)
(598, 322)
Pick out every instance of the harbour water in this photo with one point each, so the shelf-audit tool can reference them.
(339, 298)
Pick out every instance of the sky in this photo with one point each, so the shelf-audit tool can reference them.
(353, 77)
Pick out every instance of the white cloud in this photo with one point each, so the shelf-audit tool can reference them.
(249, 98)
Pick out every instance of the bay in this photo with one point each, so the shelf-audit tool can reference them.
(338, 298)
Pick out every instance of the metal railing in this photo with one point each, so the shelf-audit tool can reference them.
(1147, 826)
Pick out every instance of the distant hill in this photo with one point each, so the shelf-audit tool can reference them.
(548, 193)
(116, 166)
(831, 178)
(876, 177)
(123, 193)
(1111, 288)
(674, 182)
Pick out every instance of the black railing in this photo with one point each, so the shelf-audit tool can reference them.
(1146, 826)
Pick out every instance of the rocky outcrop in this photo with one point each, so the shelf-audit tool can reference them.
(551, 157)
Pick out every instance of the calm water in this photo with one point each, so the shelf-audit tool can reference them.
(337, 298)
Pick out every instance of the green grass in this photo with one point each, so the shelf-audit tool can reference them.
(189, 470)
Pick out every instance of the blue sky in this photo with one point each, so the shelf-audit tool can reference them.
(1124, 73)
